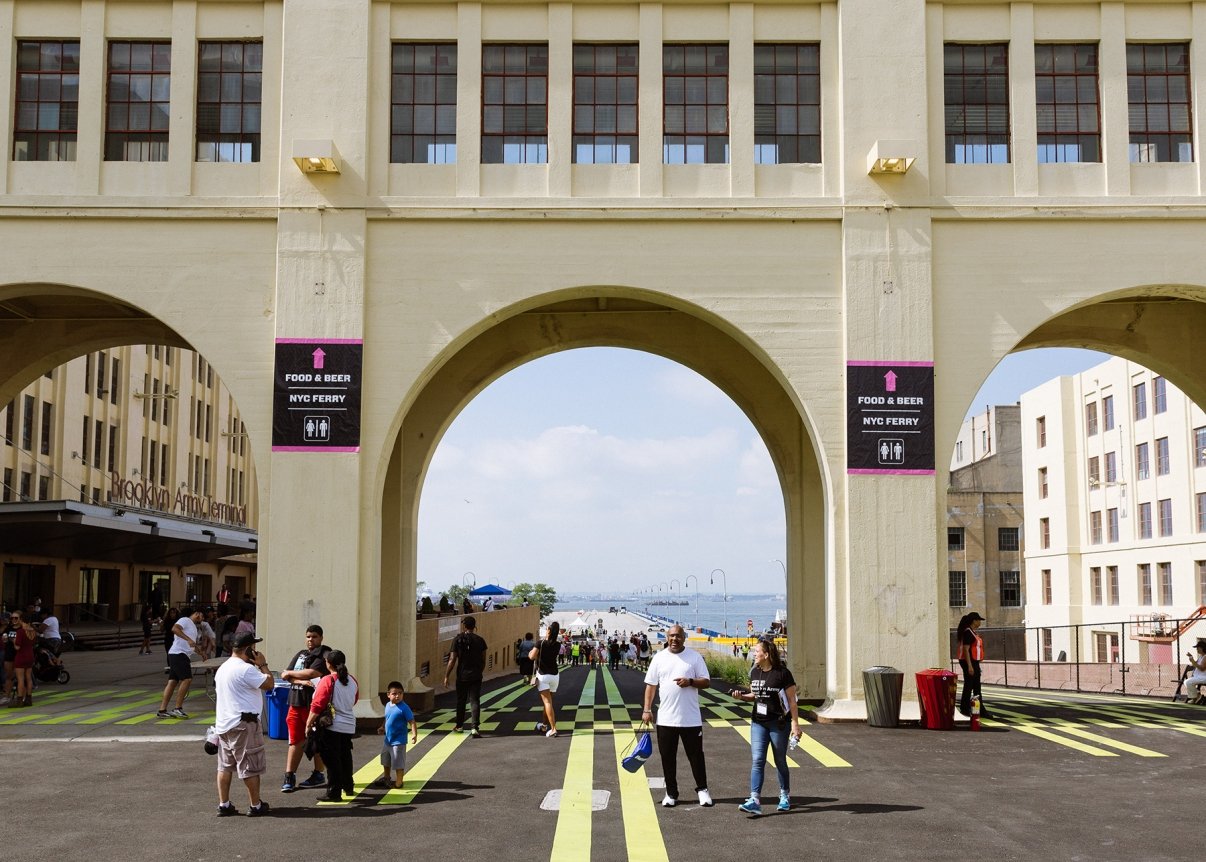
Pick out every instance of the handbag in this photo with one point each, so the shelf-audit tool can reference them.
(324, 721)
(642, 750)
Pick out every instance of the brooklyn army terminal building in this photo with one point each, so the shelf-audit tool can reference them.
(842, 213)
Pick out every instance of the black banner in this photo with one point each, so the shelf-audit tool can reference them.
(890, 417)
(316, 395)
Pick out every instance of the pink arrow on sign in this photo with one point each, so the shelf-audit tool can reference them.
(889, 380)
(318, 358)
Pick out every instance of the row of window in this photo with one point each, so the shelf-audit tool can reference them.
(29, 414)
(1010, 589)
(1138, 402)
(1008, 539)
(1067, 102)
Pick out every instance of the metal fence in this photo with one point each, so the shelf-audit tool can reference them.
(1141, 656)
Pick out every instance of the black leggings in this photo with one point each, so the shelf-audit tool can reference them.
(336, 751)
(971, 684)
(667, 744)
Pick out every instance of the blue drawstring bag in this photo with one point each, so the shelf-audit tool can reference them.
(642, 751)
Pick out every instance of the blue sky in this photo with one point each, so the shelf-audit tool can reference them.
(604, 469)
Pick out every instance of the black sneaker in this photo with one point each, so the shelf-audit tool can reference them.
(316, 779)
(163, 713)
(227, 811)
(290, 783)
(258, 810)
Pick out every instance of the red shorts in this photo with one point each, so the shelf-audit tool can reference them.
(296, 722)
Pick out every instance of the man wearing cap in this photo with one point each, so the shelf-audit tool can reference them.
(307, 666)
(238, 684)
(970, 654)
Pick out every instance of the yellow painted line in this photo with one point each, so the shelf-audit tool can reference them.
(572, 838)
(423, 771)
(1111, 743)
(642, 832)
(62, 719)
(1051, 737)
(21, 719)
(744, 730)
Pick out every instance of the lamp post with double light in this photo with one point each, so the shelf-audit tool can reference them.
(725, 586)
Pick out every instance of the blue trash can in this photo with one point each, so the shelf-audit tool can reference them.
(278, 711)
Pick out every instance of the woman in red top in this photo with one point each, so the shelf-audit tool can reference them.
(23, 659)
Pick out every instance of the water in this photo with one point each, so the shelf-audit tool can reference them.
(709, 613)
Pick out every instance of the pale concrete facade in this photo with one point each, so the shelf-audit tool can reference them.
(1109, 556)
(765, 278)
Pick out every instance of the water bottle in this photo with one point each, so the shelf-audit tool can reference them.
(793, 741)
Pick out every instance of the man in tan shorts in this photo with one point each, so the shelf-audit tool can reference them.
(239, 683)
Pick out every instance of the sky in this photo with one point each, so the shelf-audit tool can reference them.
(603, 470)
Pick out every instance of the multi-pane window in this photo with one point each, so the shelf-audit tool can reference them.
(1199, 447)
(1011, 589)
(695, 95)
(1091, 418)
(1095, 584)
(27, 423)
(1166, 518)
(1107, 413)
(1166, 586)
(976, 84)
(1066, 103)
(1200, 501)
(1157, 83)
(1047, 643)
(1111, 525)
(1145, 520)
(46, 428)
(1040, 427)
(1159, 395)
(1047, 586)
(1111, 466)
(1162, 457)
(787, 104)
(48, 93)
(1142, 461)
(515, 102)
(1095, 528)
(605, 104)
(422, 126)
(229, 87)
(954, 539)
(958, 589)
(1139, 391)
(1112, 583)
(138, 101)
(1145, 584)
(1094, 470)
(1007, 538)
(1042, 483)
(1044, 532)
(1201, 566)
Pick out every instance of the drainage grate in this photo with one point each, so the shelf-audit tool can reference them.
(553, 800)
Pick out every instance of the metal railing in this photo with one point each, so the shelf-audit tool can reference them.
(1124, 657)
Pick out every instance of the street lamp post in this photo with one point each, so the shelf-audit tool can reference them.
(472, 580)
(673, 581)
(685, 580)
(725, 584)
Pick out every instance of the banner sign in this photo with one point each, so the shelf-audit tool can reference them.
(890, 418)
(316, 395)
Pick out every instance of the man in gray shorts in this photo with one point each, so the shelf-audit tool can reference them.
(239, 684)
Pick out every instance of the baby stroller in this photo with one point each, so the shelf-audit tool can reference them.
(47, 668)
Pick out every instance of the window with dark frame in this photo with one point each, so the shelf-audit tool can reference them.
(1042, 483)
(1140, 400)
(1095, 584)
(423, 104)
(1159, 395)
(137, 101)
(48, 93)
(1200, 503)
(1047, 597)
(1066, 103)
(605, 104)
(1040, 426)
(1011, 589)
(976, 86)
(1044, 533)
(229, 93)
(1107, 413)
(1199, 446)
(46, 430)
(1112, 582)
(787, 104)
(515, 115)
(1166, 584)
(695, 102)
(1162, 457)
(958, 589)
(1095, 528)
(1090, 418)
(1111, 466)
(1142, 461)
(27, 423)
(1145, 584)
(1007, 539)
(1158, 89)
(954, 539)
(1145, 520)
(1164, 507)
(1112, 530)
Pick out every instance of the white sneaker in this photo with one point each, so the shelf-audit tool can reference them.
(669, 801)
(551, 732)
(705, 799)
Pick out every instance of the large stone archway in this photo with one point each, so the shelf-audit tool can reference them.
(640, 321)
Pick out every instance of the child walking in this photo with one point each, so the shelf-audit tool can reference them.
(393, 748)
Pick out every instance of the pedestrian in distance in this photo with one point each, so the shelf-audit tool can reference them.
(774, 719)
(185, 641)
(147, 618)
(1196, 671)
(970, 654)
(468, 658)
(675, 676)
(526, 665)
(338, 691)
(398, 717)
(546, 656)
(239, 685)
(24, 638)
(303, 672)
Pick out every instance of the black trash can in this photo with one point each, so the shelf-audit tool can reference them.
(882, 687)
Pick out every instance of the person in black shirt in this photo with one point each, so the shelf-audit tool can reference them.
(772, 695)
(468, 656)
(547, 654)
(307, 666)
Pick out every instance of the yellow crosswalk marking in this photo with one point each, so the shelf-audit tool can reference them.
(642, 833)
(1110, 743)
(572, 838)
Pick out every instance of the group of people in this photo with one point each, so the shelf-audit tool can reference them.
(23, 634)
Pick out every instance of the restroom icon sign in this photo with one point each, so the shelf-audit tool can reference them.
(890, 450)
(316, 429)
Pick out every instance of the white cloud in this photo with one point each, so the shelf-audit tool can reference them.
(683, 384)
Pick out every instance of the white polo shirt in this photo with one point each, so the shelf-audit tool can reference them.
(679, 706)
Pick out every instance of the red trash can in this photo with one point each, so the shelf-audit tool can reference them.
(936, 693)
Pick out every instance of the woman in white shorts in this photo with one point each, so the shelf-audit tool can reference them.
(545, 654)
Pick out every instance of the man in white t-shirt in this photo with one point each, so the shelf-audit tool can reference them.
(677, 674)
(51, 636)
(180, 665)
(240, 684)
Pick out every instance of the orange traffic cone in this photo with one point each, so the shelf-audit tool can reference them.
(975, 713)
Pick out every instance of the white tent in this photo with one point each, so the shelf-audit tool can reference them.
(579, 625)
